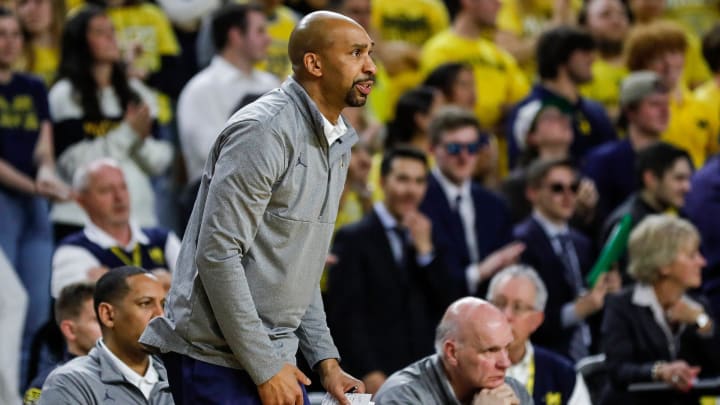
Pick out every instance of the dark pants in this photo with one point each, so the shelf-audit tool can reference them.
(195, 382)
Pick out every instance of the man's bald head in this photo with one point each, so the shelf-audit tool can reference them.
(467, 316)
(315, 33)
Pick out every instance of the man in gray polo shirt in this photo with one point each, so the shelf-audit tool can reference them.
(118, 370)
(472, 343)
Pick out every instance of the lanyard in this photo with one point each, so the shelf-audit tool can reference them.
(136, 258)
(530, 385)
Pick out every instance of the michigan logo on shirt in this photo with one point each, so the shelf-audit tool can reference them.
(19, 113)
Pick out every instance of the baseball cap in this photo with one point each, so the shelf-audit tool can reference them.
(638, 85)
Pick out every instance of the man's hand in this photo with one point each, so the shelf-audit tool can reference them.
(337, 382)
(594, 299)
(500, 259)
(502, 395)
(373, 381)
(283, 387)
(420, 230)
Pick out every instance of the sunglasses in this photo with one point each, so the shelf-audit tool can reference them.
(559, 188)
(455, 148)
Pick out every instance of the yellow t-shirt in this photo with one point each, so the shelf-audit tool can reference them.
(694, 126)
(605, 86)
(528, 18)
(499, 82)
(696, 69)
(699, 16)
(45, 63)
(145, 25)
(279, 28)
(709, 93)
(413, 21)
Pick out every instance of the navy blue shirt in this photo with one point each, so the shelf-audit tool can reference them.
(23, 108)
(612, 167)
(591, 124)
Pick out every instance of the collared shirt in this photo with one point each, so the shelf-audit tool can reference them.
(144, 383)
(524, 370)
(333, 132)
(568, 316)
(644, 295)
(206, 103)
(467, 209)
(390, 224)
(71, 263)
(467, 213)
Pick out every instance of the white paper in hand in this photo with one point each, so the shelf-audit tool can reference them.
(355, 399)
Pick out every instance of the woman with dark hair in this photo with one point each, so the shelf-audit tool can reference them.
(97, 112)
(413, 113)
(456, 81)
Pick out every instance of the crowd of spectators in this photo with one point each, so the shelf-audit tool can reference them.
(498, 133)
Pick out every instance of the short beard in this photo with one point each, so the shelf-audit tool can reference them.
(354, 100)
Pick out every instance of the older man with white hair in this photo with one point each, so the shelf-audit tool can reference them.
(472, 342)
(110, 239)
(520, 293)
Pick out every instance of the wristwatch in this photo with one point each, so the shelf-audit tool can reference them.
(702, 320)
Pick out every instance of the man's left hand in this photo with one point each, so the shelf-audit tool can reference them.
(337, 382)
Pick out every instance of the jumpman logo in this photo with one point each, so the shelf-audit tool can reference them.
(108, 397)
(300, 162)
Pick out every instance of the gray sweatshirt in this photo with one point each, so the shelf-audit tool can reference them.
(246, 287)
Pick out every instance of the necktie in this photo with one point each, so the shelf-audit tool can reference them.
(402, 236)
(570, 261)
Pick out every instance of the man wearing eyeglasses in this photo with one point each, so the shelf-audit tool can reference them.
(521, 295)
(562, 256)
(471, 226)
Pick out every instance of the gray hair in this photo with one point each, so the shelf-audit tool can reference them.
(521, 270)
(655, 243)
(81, 178)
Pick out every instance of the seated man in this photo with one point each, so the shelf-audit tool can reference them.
(519, 292)
(118, 370)
(388, 289)
(75, 317)
(109, 239)
(472, 343)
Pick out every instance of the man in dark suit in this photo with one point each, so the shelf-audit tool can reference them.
(562, 256)
(471, 226)
(389, 288)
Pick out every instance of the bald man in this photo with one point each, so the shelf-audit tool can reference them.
(246, 291)
(472, 343)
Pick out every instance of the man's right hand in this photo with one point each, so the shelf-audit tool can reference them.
(373, 381)
(502, 395)
(283, 387)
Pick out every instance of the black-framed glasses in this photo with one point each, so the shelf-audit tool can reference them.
(560, 188)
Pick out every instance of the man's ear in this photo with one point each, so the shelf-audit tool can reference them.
(67, 328)
(649, 180)
(450, 351)
(313, 64)
(531, 194)
(106, 313)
